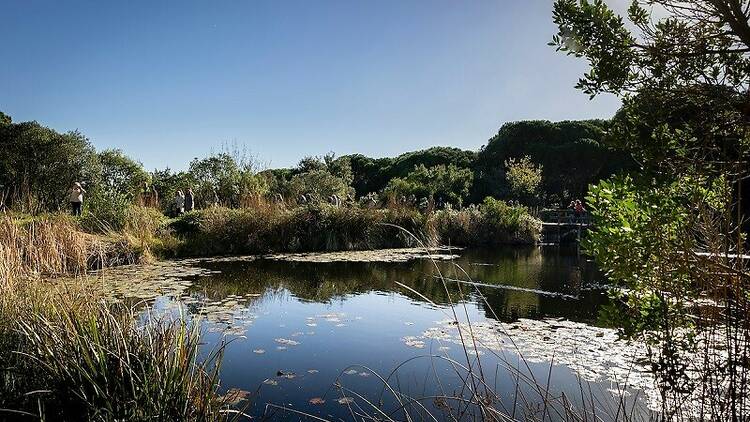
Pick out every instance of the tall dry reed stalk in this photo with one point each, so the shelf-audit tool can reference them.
(54, 245)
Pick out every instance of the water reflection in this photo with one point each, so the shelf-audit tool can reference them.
(514, 282)
(312, 336)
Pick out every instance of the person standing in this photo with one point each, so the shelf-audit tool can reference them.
(216, 198)
(154, 197)
(189, 200)
(179, 202)
(579, 210)
(76, 198)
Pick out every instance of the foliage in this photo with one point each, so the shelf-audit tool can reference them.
(50, 161)
(636, 229)
(666, 233)
(224, 176)
(167, 183)
(524, 179)
(494, 222)
(684, 77)
(105, 211)
(450, 183)
(373, 174)
(38, 165)
(650, 240)
(322, 227)
(572, 154)
(121, 174)
(321, 177)
(5, 119)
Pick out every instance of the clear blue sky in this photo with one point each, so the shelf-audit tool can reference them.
(167, 81)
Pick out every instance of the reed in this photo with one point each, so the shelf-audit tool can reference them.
(54, 245)
(322, 227)
(68, 354)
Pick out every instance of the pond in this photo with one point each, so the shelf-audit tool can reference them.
(388, 333)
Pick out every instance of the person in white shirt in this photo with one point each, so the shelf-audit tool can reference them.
(76, 198)
(179, 202)
(189, 200)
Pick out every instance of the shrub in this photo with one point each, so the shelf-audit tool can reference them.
(495, 222)
(500, 215)
(104, 211)
(524, 179)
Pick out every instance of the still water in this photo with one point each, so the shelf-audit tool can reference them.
(339, 340)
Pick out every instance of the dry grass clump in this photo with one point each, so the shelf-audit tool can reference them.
(50, 245)
(53, 245)
(67, 353)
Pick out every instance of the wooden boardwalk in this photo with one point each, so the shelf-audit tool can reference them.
(562, 226)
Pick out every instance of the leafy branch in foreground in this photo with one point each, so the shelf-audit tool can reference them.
(674, 234)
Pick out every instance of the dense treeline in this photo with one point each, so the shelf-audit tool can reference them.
(532, 162)
(573, 155)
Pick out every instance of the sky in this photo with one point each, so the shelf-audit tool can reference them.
(166, 81)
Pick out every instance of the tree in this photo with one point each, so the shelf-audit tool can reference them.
(167, 182)
(373, 174)
(121, 173)
(369, 174)
(38, 165)
(320, 176)
(572, 153)
(524, 178)
(450, 183)
(684, 81)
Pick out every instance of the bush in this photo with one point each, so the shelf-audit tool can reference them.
(53, 245)
(494, 222)
(104, 211)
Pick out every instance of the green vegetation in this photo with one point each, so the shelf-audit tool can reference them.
(38, 164)
(524, 179)
(670, 232)
(450, 183)
(66, 354)
(664, 179)
(573, 155)
(288, 209)
(225, 231)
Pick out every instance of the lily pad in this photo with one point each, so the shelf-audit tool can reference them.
(317, 401)
(345, 400)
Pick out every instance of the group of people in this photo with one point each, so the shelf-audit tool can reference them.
(184, 201)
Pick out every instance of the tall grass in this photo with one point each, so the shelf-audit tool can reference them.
(54, 245)
(68, 354)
